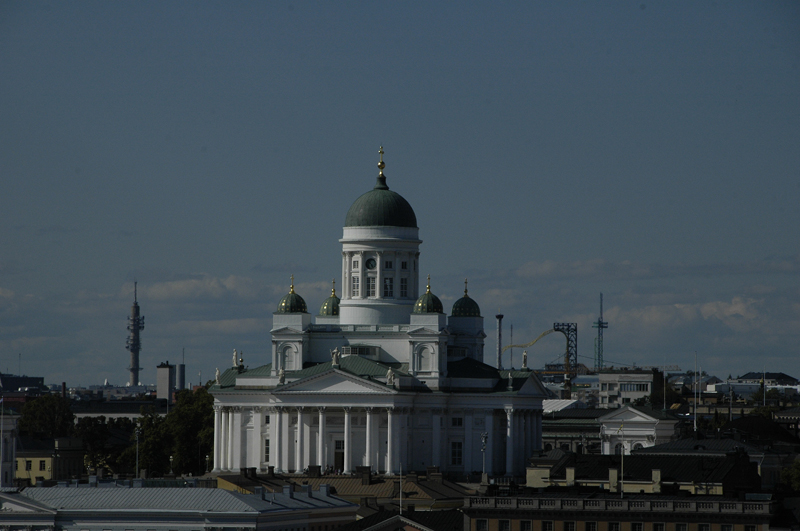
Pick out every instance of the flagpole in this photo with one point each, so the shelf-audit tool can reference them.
(2, 443)
(622, 468)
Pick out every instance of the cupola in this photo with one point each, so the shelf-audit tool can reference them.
(428, 302)
(292, 302)
(465, 306)
(330, 308)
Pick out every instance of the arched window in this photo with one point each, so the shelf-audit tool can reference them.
(638, 446)
(619, 449)
(424, 361)
(565, 447)
(548, 447)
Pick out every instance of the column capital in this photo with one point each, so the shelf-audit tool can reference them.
(509, 412)
(321, 409)
(347, 409)
(299, 409)
(369, 409)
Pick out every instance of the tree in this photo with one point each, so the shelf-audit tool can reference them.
(47, 417)
(191, 425)
(656, 398)
(791, 475)
(155, 443)
(94, 433)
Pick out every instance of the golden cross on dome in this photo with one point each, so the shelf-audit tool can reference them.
(333, 289)
(291, 286)
(381, 164)
(465, 286)
(429, 283)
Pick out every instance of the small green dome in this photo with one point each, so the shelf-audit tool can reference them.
(292, 302)
(330, 308)
(428, 302)
(381, 207)
(465, 306)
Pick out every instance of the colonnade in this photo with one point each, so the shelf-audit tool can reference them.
(379, 273)
(285, 437)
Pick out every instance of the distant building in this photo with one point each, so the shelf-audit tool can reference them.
(165, 381)
(8, 428)
(164, 509)
(621, 387)
(593, 511)
(48, 459)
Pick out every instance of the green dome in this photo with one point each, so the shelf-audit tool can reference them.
(380, 207)
(465, 306)
(428, 302)
(330, 308)
(292, 302)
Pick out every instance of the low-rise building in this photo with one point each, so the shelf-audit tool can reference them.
(163, 509)
(625, 386)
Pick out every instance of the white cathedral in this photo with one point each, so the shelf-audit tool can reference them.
(382, 377)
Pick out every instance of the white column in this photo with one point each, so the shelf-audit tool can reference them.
(217, 435)
(298, 449)
(468, 436)
(321, 453)
(224, 439)
(509, 442)
(276, 445)
(379, 276)
(436, 450)
(236, 439)
(390, 445)
(489, 427)
(346, 265)
(348, 447)
(255, 451)
(370, 443)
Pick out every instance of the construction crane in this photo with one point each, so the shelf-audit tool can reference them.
(570, 331)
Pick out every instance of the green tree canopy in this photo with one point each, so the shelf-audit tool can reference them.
(47, 417)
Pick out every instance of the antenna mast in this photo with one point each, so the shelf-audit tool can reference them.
(598, 345)
(134, 344)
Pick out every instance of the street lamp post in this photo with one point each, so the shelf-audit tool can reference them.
(484, 438)
(171, 473)
(137, 431)
(206, 463)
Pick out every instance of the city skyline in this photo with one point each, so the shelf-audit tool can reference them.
(551, 152)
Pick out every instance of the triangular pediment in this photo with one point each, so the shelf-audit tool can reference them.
(534, 387)
(626, 414)
(286, 330)
(334, 381)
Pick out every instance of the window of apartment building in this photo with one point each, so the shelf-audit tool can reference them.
(727, 527)
(626, 400)
(704, 527)
(634, 387)
(569, 526)
(41, 465)
(404, 265)
(525, 525)
(404, 287)
(750, 527)
(355, 264)
(266, 450)
(504, 525)
(388, 287)
(387, 264)
(547, 525)
(613, 526)
(28, 465)
(355, 286)
(590, 526)
(637, 526)
(604, 387)
(659, 526)
(456, 453)
(481, 525)
(681, 527)
(371, 287)
(457, 422)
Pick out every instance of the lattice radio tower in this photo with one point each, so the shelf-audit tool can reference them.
(598, 345)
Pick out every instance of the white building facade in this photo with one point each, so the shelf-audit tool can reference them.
(381, 377)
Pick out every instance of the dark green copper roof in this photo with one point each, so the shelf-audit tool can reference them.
(330, 307)
(465, 307)
(292, 302)
(428, 302)
(381, 207)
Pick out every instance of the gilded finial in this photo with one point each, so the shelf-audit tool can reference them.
(291, 285)
(333, 289)
(429, 284)
(381, 164)
(465, 287)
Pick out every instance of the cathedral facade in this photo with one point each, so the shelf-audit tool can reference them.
(380, 377)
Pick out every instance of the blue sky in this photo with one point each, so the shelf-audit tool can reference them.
(551, 151)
